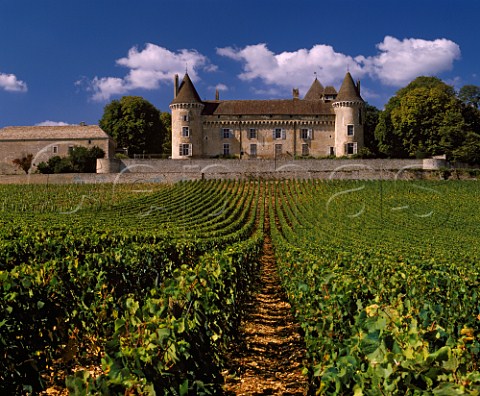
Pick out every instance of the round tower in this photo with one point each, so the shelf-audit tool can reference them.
(349, 110)
(187, 129)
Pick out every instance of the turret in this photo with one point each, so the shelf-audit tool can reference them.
(349, 110)
(187, 130)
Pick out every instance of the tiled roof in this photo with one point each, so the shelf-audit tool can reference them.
(187, 92)
(267, 107)
(67, 132)
(330, 90)
(348, 90)
(315, 92)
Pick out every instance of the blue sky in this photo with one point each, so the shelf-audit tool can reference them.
(62, 61)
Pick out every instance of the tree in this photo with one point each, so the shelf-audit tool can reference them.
(80, 160)
(469, 151)
(167, 123)
(470, 95)
(423, 119)
(24, 163)
(371, 120)
(135, 124)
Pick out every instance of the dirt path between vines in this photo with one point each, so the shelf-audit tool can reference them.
(268, 358)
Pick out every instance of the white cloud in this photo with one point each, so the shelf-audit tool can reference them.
(399, 62)
(52, 123)
(396, 64)
(9, 82)
(293, 69)
(148, 68)
(221, 87)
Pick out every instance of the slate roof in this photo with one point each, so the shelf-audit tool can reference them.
(186, 92)
(348, 90)
(67, 132)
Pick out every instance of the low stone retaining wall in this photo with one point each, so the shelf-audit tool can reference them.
(255, 166)
(173, 177)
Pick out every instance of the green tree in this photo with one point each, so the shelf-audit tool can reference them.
(80, 160)
(372, 115)
(84, 160)
(135, 124)
(469, 151)
(470, 95)
(423, 119)
(167, 123)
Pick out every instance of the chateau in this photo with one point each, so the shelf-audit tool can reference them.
(324, 123)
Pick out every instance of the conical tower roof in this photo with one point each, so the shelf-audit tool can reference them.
(315, 92)
(348, 90)
(187, 92)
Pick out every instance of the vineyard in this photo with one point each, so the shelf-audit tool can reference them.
(116, 289)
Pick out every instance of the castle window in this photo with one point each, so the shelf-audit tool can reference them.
(331, 151)
(227, 133)
(253, 150)
(70, 149)
(226, 149)
(349, 130)
(351, 148)
(306, 133)
(185, 131)
(185, 118)
(279, 133)
(185, 150)
(305, 149)
(55, 149)
(252, 133)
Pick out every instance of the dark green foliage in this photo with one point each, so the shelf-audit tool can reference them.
(372, 115)
(470, 95)
(135, 125)
(80, 160)
(425, 119)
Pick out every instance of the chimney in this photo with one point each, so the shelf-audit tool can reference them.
(296, 93)
(217, 95)
(175, 86)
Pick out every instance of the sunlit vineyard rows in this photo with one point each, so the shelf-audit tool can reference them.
(139, 289)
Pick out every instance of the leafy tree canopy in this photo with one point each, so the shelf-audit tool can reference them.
(135, 124)
(470, 95)
(80, 160)
(372, 115)
(423, 119)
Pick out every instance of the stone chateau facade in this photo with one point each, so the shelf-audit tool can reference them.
(324, 123)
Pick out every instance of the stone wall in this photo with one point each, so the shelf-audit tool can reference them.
(209, 166)
(171, 171)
